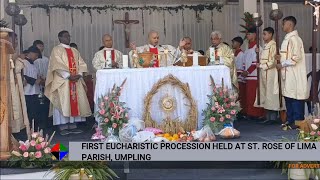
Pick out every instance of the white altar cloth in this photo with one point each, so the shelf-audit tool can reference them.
(140, 81)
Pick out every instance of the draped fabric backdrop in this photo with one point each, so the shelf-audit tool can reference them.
(86, 30)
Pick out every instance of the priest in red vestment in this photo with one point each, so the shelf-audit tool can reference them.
(65, 87)
(166, 55)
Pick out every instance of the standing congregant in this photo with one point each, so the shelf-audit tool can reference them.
(65, 87)
(108, 57)
(268, 77)
(42, 64)
(250, 74)
(293, 72)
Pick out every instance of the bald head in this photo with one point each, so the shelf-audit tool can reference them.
(107, 41)
(153, 38)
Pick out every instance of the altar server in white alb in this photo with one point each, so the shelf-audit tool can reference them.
(108, 57)
(65, 87)
(268, 77)
(293, 72)
(161, 59)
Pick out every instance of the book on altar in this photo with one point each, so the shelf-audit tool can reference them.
(203, 61)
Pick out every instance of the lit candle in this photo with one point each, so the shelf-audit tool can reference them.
(12, 1)
(21, 12)
(125, 61)
(274, 6)
(195, 59)
(255, 15)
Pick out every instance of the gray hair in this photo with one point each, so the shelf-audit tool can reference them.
(216, 33)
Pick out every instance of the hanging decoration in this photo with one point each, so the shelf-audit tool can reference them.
(182, 13)
(142, 19)
(112, 22)
(72, 18)
(31, 20)
(211, 20)
(99, 9)
(49, 18)
(198, 17)
(164, 24)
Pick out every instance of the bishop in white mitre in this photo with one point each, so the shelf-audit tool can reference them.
(165, 55)
(108, 57)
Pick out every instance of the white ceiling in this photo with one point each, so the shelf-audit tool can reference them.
(116, 2)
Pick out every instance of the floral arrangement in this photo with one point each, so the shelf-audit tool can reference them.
(112, 113)
(249, 23)
(34, 153)
(222, 107)
(314, 135)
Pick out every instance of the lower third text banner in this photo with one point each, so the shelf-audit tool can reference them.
(194, 151)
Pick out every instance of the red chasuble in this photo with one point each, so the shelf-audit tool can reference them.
(155, 51)
(73, 86)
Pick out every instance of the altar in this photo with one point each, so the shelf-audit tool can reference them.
(140, 81)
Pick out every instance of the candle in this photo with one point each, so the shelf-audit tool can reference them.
(21, 12)
(255, 15)
(274, 6)
(125, 61)
(12, 1)
(195, 59)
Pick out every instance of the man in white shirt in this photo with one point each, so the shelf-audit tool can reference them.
(32, 82)
(65, 87)
(42, 64)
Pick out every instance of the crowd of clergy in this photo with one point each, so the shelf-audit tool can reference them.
(42, 87)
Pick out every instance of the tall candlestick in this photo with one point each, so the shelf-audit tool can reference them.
(274, 6)
(21, 12)
(195, 59)
(125, 61)
(255, 15)
(12, 1)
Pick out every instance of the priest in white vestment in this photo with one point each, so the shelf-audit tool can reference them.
(185, 48)
(165, 54)
(65, 87)
(19, 110)
(108, 57)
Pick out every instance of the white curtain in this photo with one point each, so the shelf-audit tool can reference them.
(86, 30)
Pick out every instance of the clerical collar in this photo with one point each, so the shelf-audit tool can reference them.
(108, 49)
(29, 60)
(65, 45)
(152, 46)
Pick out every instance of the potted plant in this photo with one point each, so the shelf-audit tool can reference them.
(68, 170)
(222, 108)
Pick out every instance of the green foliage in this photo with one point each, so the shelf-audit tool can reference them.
(249, 23)
(99, 170)
(106, 8)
